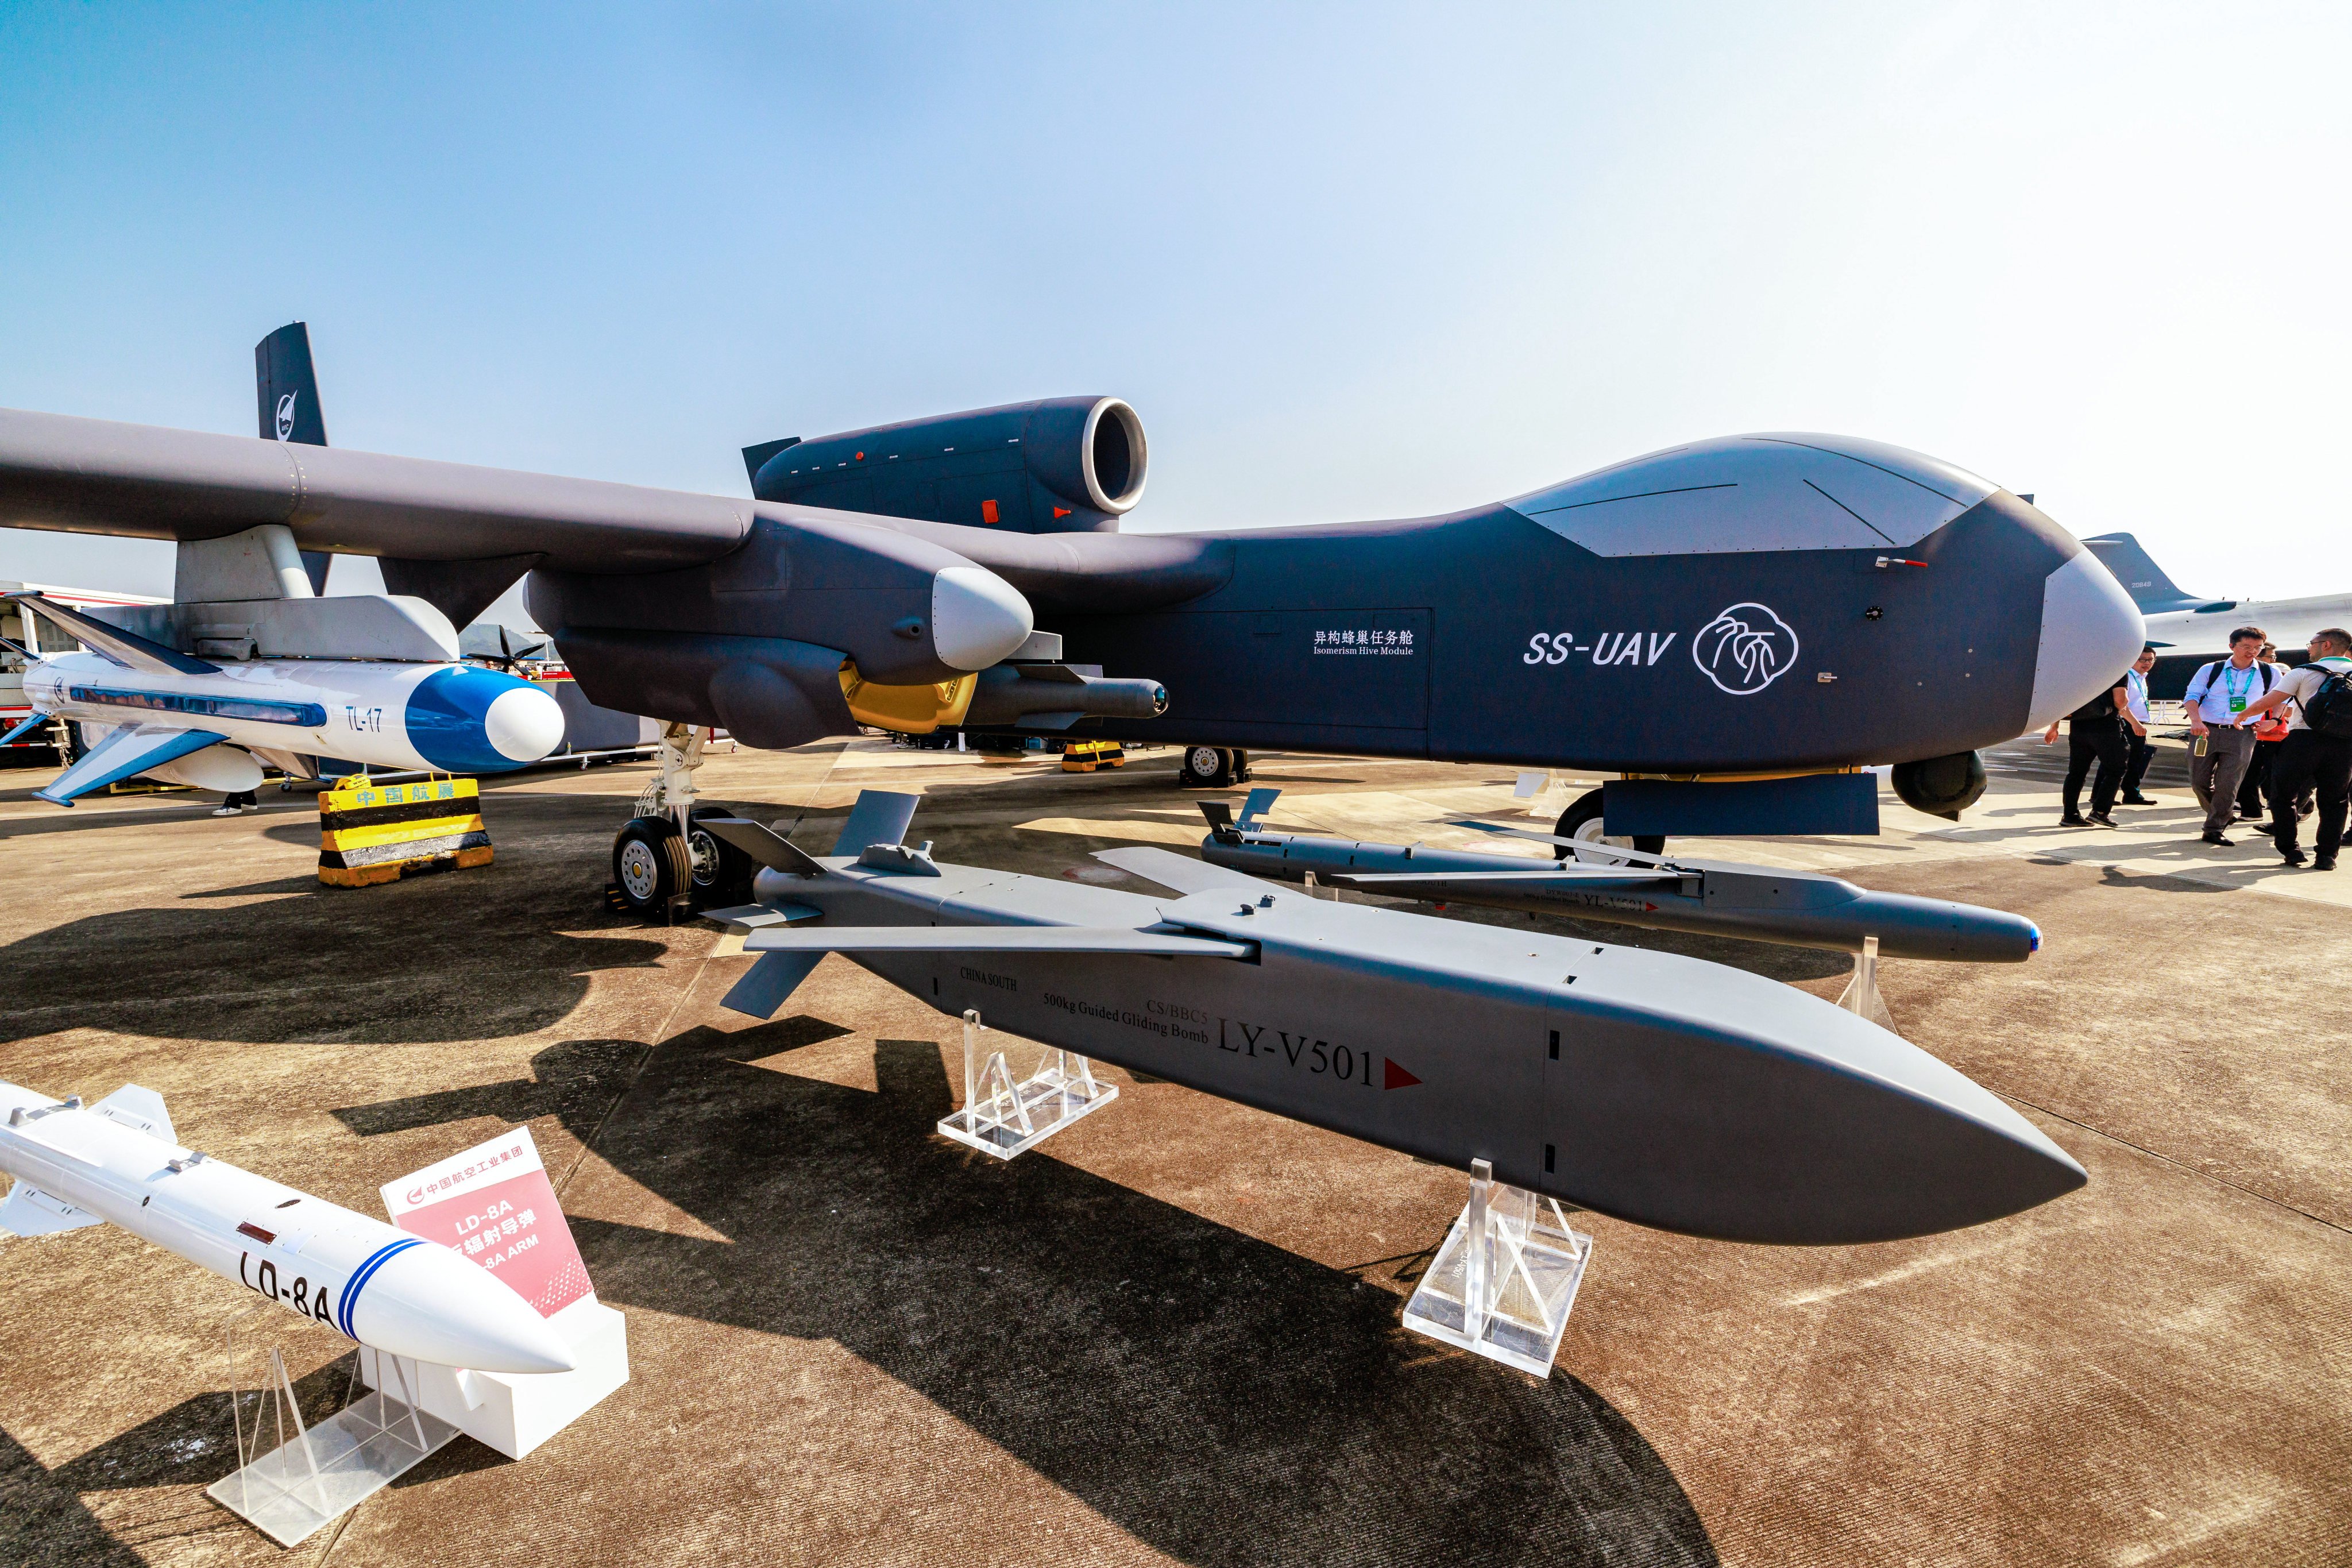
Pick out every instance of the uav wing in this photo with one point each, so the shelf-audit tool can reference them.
(994, 939)
(789, 957)
(1180, 872)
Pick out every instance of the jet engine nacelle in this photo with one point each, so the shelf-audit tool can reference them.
(906, 610)
(1064, 465)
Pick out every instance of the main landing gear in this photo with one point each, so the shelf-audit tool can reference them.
(1213, 767)
(663, 862)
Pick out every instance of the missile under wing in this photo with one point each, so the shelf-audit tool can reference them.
(1661, 1090)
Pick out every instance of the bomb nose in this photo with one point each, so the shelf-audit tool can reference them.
(2091, 632)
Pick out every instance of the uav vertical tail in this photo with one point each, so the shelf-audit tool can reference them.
(287, 389)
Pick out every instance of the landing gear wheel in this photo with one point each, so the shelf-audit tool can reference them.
(720, 873)
(649, 866)
(1581, 822)
(1208, 767)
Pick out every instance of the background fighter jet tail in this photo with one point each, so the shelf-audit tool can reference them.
(286, 388)
(2142, 578)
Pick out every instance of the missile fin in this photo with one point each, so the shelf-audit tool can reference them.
(880, 817)
(31, 1212)
(140, 1110)
(768, 985)
(125, 648)
(133, 749)
(763, 843)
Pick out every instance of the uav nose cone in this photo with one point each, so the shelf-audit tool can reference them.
(2091, 632)
(425, 1302)
(523, 724)
(977, 618)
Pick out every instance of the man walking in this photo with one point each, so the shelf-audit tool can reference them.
(2317, 751)
(2218, 697)
(2094, 732)
(2136, 709)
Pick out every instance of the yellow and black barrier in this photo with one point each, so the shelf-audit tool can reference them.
(371, 833)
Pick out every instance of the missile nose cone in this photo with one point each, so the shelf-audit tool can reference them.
(425, 1302)
(2091, 632)
(977, 618)
(469, 721)
(524, 724)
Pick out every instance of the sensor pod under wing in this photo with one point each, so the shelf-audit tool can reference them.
(1661, 1090)
(119, 1162)
(1756, 903)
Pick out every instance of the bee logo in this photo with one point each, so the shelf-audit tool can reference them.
(1745, 648)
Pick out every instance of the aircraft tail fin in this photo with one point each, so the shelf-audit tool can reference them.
(286, 387)
(2142, 578)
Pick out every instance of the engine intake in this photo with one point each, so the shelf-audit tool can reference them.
(1060, 466)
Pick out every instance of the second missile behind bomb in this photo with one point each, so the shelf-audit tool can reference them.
(1757, 903)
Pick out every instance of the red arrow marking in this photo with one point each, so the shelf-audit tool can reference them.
(1395, 1077)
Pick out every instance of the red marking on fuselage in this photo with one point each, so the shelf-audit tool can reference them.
(1395, 1077)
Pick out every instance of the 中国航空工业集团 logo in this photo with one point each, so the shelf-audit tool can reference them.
(1745, 648)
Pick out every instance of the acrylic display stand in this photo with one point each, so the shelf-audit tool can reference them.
(1861, 994)
(309, 1476)
(1002, 1117)
(516, 1411)
(1504, 1282)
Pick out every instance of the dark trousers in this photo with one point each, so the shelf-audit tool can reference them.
(2088, 743)
(2308, 760)
(2136, 769)
(2256, 789)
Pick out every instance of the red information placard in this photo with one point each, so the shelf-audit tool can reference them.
(496, 1206)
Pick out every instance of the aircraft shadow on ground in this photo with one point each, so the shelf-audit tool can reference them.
(1218, 1397)
(409, 963)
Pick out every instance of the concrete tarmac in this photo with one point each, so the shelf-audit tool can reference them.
(1169, 1334)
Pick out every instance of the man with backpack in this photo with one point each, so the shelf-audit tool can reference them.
(2317, 751)
(2219, 697)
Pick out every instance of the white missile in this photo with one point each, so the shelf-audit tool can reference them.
(197, 721)
(117, 1160)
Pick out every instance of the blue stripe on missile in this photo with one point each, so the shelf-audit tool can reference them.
(361, 1275)
(444, 720)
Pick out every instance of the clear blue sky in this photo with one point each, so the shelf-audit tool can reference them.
(1345, 261)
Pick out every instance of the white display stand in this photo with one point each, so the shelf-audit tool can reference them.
(516, 1411)
(1505, 1278)
(1861, 994)
(1002, 1117)
(310, 1475)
